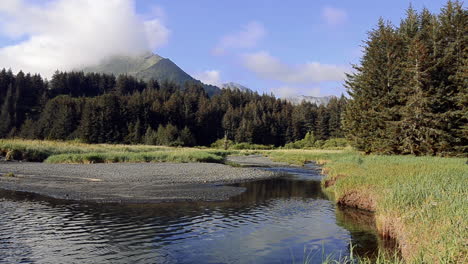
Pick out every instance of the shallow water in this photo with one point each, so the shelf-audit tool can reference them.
(283, 220)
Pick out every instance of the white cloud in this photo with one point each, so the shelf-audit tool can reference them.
(271, 68)
(212, 77)
(290, 91)
(156, 33)
(334, 16)
(248, 37)
(67, 34)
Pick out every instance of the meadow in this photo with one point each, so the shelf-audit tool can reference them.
(419, 201)
(76, 152)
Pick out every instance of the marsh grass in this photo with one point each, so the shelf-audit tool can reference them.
(311, 256)
(9, 175)
(75, 152)
(422, 201)
(300, 157)
(381, 258)
(177, 156)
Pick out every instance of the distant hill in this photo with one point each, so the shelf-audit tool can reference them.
(293, 99)
(146, 67)
(311, 99)
(235, 86)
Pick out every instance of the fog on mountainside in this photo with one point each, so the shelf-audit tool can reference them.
(148, 66)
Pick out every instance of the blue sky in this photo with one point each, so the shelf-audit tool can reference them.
(285, 47)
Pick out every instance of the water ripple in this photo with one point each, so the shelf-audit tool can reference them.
(274, 221)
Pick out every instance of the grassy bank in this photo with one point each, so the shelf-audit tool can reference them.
(75, 152)
(420, 201)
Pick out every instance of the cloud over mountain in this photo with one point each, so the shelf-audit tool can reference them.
(68, 34)
(212, 77)
(271, 68)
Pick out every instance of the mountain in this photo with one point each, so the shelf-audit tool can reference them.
(235, 86)
(311, 99)
(293, 99)
(146, 67)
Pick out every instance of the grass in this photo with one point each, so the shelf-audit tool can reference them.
(9, 175)
(300, 157)
(178, 156)
(381, 258)
(310, 257)
(422, 201)
(75, 152)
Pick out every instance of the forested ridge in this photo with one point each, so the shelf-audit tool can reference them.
(100, 108)
(409, 94)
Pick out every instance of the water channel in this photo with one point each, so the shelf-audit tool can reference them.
(282, 220)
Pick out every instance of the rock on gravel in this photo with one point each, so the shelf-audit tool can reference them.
(128, 182)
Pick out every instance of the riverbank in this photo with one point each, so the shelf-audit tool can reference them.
(73, 152)
(419, 201)
(128, 182)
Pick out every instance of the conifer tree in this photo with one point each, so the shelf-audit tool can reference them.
(6, 113)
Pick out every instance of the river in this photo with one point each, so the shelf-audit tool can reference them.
(282, 220)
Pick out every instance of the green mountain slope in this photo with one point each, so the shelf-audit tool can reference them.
(146, 67)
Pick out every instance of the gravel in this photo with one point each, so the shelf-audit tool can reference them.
(128, 182)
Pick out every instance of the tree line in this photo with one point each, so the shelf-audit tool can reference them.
(409, 93)
(101, 108)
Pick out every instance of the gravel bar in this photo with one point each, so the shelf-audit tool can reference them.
(128, 182)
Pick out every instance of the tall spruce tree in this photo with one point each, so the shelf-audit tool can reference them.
(6, 113)
(423, 107)
(375, 88)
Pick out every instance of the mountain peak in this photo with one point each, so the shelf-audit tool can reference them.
(125, 64)
(147, 66)
(235, 86)
(324, 100)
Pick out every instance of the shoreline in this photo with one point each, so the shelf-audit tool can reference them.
(131, 183)
(418, 200)
(387, 227)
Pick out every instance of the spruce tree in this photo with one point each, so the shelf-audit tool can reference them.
(6, 113)
(375, 88)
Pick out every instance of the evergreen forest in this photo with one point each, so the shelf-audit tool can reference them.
(100, 108)
(409, 93)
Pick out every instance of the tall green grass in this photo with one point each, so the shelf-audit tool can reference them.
(310, 257)
(118, 157)
(423, 200)
(75, 152)
(300, 157)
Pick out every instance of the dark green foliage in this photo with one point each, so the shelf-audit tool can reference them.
(99, 108)
(186, 138)
(310, 141)
(6, 113)
(134, 135)
(59, 120)
(307, 142)
(20, 99)
(167, 135)
(409, 91)
(150, 137)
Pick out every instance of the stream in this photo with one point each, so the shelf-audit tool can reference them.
(282, 220)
